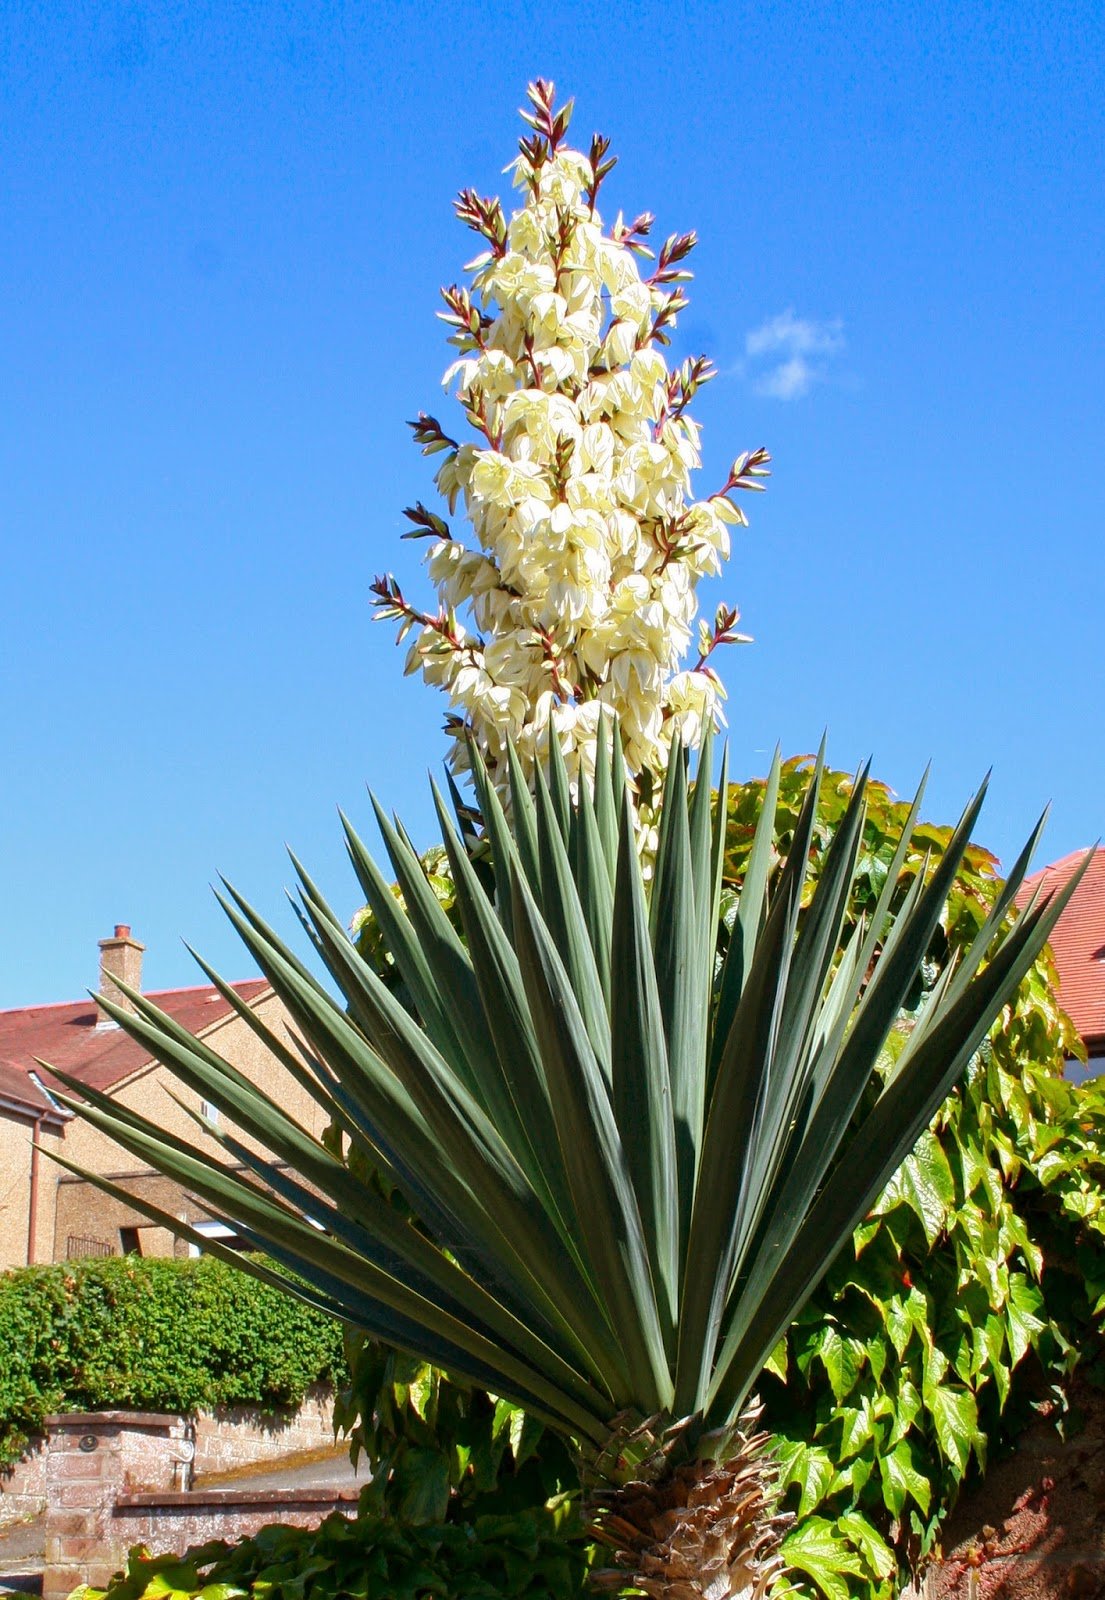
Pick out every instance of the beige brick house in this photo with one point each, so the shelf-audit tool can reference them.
(45, 1213)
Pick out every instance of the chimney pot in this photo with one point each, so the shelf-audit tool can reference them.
(120, 957)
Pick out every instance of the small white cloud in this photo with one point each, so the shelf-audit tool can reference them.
(790, 380)
(790, 354)
(796, 336)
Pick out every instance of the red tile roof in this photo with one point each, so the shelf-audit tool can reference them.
(66, 1036)
(16, 1087)
(1078, 940)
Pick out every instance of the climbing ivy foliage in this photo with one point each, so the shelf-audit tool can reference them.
(440, 1451)
(975, 1284)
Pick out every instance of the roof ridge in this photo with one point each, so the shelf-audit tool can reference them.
(147, 994)
(198, 988)
(1067, 863)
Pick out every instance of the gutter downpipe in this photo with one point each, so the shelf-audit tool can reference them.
(32, 1213)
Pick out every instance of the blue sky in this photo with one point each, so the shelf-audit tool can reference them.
(223, 230)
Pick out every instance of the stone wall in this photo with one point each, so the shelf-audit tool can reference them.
(113, 1480)
(239, 1436)
(90, 1460)
(1034, 1527)
(173, 1521)
(23, 1486)
(224, 1441)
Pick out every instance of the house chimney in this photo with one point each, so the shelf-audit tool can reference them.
(120, 957)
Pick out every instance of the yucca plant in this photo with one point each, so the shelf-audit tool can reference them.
(633, 1140)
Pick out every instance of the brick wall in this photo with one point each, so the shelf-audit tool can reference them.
(1034, 1527)
(179, 1521)
(224, 1440)
(90, 1460)
(240, 1436)
(113, 1481)
(23, 1486)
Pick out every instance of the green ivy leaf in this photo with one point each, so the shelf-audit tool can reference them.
(955, 1418)
(815, 1548)
(899, 1325)
(877, 1357)
(842, 1357)
(1022, 1314)
(420, 1390)
(857, 1427)
(925, 1184)
(907, 1408)
(935, 1370)
(973, 1165)
(776, 1362)
(524, 1440)
(865, 1233)
(989, 1353)
(869, 1542)
(422, 1481)
(503, 1417)
(171, 1580)
(902, 1479)
(807, 1467)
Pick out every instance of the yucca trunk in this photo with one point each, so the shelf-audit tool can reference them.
(702, 1530)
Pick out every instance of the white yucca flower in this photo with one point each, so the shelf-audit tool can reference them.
(587, 545)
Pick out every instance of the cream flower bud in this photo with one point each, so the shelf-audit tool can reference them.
(620, 343)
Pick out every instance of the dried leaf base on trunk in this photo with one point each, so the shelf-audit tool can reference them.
(706, 1530)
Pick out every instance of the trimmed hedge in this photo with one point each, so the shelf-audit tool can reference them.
(157, 1335)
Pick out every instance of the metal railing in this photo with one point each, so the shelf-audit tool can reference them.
(76, 1247)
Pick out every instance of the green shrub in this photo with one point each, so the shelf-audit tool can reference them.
(162, 1335)
(534, 1555)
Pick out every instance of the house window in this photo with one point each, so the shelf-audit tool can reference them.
(146, 1239)
(217, 1230)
